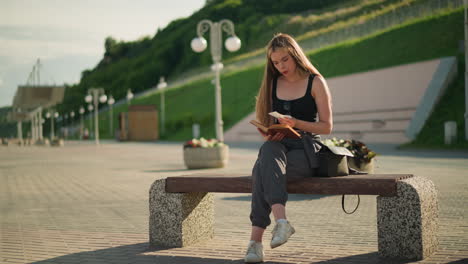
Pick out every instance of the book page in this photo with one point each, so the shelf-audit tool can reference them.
(259, 125)
(278, 115)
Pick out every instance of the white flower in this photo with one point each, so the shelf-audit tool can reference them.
(203, 143)
(211, 143)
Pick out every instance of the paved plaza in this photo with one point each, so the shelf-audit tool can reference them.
(86, 204)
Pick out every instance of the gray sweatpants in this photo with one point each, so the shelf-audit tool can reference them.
(277, 163)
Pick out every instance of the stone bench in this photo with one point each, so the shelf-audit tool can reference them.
(182, 213)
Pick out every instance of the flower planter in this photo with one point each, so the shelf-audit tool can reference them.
(363, 166)
(57, 142)
(212, 157)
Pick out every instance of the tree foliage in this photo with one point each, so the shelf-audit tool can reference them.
(137, 65)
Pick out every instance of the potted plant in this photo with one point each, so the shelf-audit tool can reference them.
(205, 153)
(363, 159)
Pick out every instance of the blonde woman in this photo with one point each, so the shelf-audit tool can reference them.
(291, 86)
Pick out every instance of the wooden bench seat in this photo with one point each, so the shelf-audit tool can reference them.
(370, 184)
(182, 208)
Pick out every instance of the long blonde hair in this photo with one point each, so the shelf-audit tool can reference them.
(264, 101)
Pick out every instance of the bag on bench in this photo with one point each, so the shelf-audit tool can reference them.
(332, 160)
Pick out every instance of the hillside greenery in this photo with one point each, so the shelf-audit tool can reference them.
(194, 102)
(451, 107)
(134, 64)
(138, 65)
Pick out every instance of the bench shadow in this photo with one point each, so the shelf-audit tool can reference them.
(138, 254)
(374, 258)
(172, 170)
(461, 261)
(141, 254)
(291, 197)
(184, 169)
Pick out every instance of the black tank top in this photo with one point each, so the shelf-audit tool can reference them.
(303, 108)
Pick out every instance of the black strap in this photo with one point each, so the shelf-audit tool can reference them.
(308, 140)
(309, 83)
(342, 204)
(320, 143)
(307, 136)
(273, 92)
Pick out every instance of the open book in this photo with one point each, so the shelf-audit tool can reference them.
(273, 129)
(278, 115)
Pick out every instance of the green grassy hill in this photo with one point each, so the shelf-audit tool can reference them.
(450, 107)
(420, 40)
(137, 65)
(134, 64)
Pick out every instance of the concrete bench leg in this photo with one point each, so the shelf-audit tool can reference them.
(408, 223)
(179, 219)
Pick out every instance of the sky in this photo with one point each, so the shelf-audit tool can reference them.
(68, 35)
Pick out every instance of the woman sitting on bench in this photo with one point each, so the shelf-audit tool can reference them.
(291, 86)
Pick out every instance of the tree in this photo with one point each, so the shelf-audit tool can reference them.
(109, 43)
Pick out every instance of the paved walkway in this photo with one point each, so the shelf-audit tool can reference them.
(87, 204)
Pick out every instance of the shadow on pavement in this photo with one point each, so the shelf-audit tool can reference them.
(142, 254)
(138, 254)
(189, 171)
(461, 261)
(174, 170)
(291, 197)
(374, 258)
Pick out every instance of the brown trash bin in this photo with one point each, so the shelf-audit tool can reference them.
(140, 123)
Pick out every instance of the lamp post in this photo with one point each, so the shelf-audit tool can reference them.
(49, 114)
(465, 4)
(72, 119)
(129, 96)
(96, 95)
(161, 86)
(56, 116)
(232, 44)
(19, 127)
(111, 102)
(81, 121)
(90, 109)
(42, 124)
(66, 123)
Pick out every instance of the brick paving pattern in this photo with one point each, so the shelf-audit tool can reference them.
(86, 204)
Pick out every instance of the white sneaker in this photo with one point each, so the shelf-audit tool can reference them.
(281, 233)
(254, 252)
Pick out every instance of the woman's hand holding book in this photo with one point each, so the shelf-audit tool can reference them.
(271, 137)
(276, 132)
(290, 121)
